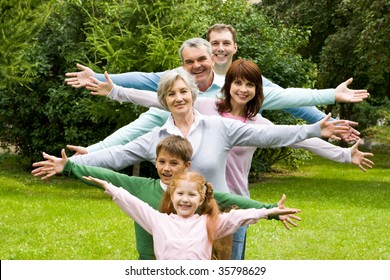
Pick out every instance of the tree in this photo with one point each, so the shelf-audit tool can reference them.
(348, 39)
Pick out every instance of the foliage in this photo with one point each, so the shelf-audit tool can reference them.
(43, 114)
(379, 132)
(20, 21)
(348, 39)
(317, 17)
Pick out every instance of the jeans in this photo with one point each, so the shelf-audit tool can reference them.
(239, 242)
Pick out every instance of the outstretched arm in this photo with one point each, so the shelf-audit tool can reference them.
(144, 98)
(280, 98)
(138, 80)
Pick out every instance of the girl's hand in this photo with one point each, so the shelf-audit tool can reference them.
(100, 183)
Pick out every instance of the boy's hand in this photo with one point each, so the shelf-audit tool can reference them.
(51, 166)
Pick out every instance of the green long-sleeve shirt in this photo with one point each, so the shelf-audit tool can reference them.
(150, 191)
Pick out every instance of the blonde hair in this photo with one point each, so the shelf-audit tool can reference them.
(169, 78)
(209, 206)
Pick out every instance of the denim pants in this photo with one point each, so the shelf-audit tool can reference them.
(239, 242)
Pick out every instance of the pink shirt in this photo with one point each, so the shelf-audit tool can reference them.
(177, 238)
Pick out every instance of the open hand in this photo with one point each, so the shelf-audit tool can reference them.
(333, 129)
(359, 158)
(287, 218)
(344, 94)
(50, 167)
(98, 182)
(97, 87)
(79, 79)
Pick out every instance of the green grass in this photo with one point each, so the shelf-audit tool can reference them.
(345, 212)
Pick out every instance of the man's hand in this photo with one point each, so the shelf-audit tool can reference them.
(344, 94)
(50, 167)
(79, 79)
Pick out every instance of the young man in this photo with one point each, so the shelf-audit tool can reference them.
(173, 155)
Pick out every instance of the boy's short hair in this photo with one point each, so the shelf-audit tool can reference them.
(176, 145)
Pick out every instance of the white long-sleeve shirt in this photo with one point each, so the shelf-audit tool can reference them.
(212, 137)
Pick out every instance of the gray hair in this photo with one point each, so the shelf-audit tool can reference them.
(195, 43)
(169, 78)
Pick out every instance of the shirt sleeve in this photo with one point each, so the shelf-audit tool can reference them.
(143, 98)
(279, 98)
(132, 184)
(145, 123)
(325, 150)
(227, 200)
(121, 156)
(317, 146)
(229, 222)
(239, 134)
(137, 80)
(139, 211)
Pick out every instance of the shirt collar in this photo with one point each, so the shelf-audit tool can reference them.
(170, 127)
(163, 185)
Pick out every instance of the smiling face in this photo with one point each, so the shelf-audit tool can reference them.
(242, 91)
(197, 61)
(168, 165)
(222, 46)
(186, 198)
(179, 98)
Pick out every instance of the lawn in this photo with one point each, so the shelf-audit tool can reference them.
(345, 212)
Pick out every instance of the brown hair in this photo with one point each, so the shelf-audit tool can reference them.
(220, 27)
(177, 146)
(248, 70)
(209, 206)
